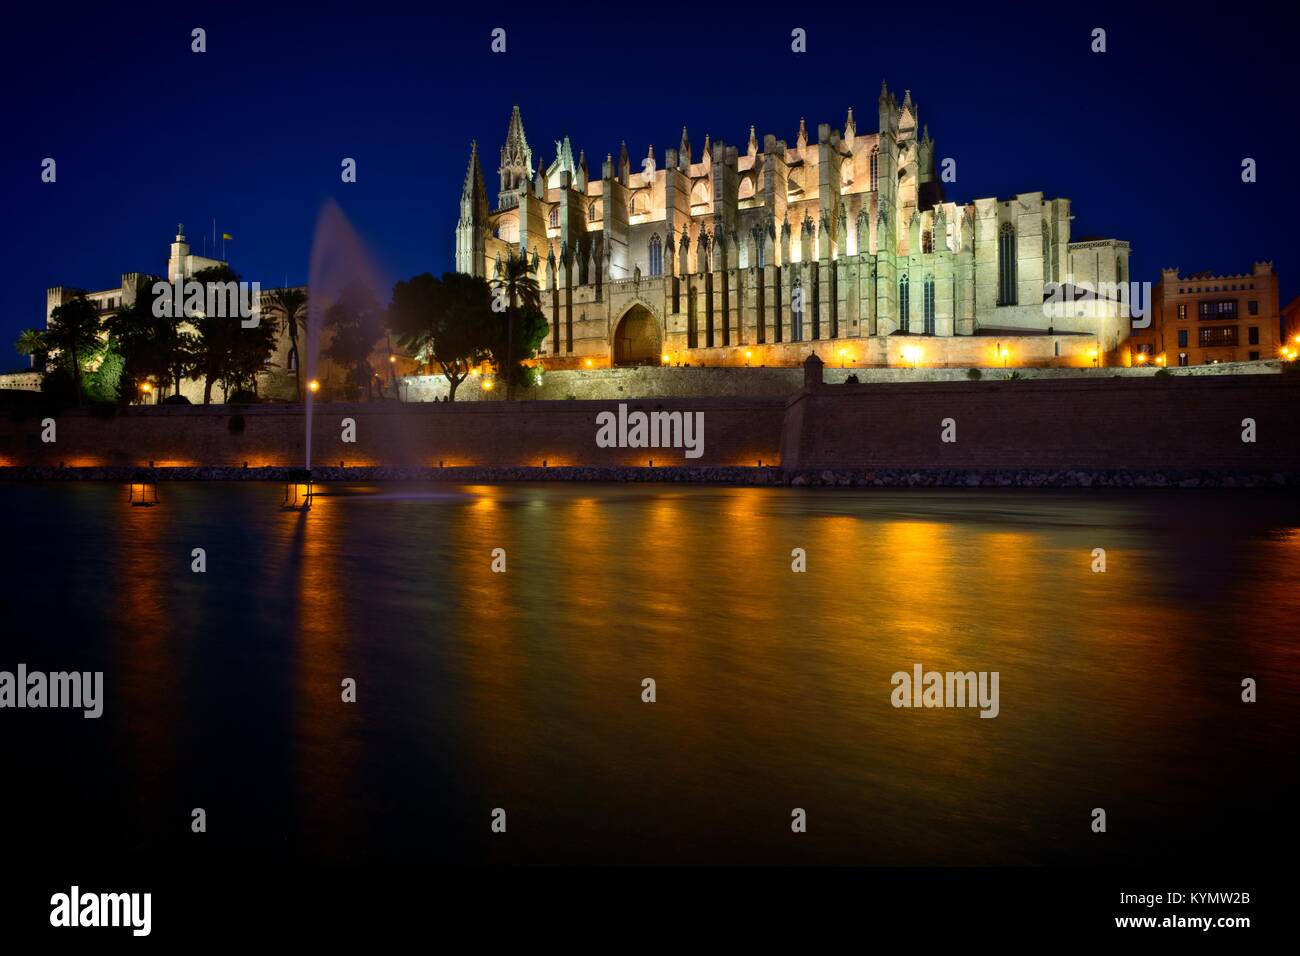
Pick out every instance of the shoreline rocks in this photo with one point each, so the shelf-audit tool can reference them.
(715, 475)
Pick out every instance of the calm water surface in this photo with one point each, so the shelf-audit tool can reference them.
(522, 690)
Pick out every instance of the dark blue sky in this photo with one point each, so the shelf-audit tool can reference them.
(1146, 139)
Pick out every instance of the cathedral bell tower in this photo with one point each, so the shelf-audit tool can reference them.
(516, 169)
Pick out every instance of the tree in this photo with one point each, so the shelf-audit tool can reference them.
(250, 352)
(73, 334)
(214, 340)
(515, 286)
(147, 345)
(357, 322)
(31, 342)
(291, 306)
(447, 320)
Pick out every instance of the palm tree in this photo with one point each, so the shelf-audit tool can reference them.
(31, 342)
(292, 305)
(74, 332)
(516, 279)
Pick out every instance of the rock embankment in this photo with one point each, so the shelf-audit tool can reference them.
(733, 475)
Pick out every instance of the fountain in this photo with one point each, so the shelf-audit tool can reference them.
(338, 260)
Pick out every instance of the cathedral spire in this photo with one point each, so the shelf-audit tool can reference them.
(802, 139)
(473, 173)
(684, 151)
(850, 126)
(753, 141)
(516, 146)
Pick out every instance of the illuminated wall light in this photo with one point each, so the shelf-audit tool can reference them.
(314, 385)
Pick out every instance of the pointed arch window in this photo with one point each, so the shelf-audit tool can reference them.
(875, 166)
(928, 291)
(656, 255)
(1007, 265)
(555, 217)
(904, 304)
(927, 241)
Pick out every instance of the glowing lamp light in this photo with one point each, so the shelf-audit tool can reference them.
(590, 363)
(912, 354)
(146, 388)
(488, 385)
(1142, 357)
(313, 385)
(664, 358)
(392, 358)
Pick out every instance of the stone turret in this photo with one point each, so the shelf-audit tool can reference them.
(472, 228)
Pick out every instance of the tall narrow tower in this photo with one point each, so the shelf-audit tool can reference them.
(472, 229)
(516, 169)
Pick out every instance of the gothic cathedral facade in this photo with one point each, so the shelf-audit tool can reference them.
(842, 244)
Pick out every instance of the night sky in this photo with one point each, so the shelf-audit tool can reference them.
(1146, 139)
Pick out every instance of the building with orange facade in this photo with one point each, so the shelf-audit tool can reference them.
(1204, 318)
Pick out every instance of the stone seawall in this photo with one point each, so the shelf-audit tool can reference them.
(1178, 428)
(479, 434)
(1128, 424)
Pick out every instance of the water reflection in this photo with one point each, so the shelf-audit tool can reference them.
(522, 689)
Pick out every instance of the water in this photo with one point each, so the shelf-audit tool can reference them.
(522, 690)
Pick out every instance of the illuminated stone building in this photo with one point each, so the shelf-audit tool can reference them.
(1206, 318)
(841, 243)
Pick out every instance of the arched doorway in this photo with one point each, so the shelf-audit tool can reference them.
(636, 338)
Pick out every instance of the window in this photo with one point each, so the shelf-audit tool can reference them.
(555, 217)
(1252, 307)
(1182, 312)
(1217, 336)
(875, 164)
(1047, 251)
(1254, 356)
(593, 212)
(656, 256)
(1220, 309)
(928, 304)
(796, 312)
(927, 241)
(1182, 338)
(1252, 335)
(1007, 265)
(1145, 348)
(904, 305)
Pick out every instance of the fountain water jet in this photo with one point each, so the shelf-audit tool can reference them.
(338, 260)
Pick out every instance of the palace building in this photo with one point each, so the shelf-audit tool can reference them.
(842, 243)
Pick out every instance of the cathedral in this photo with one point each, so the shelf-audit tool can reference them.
(841, 244)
